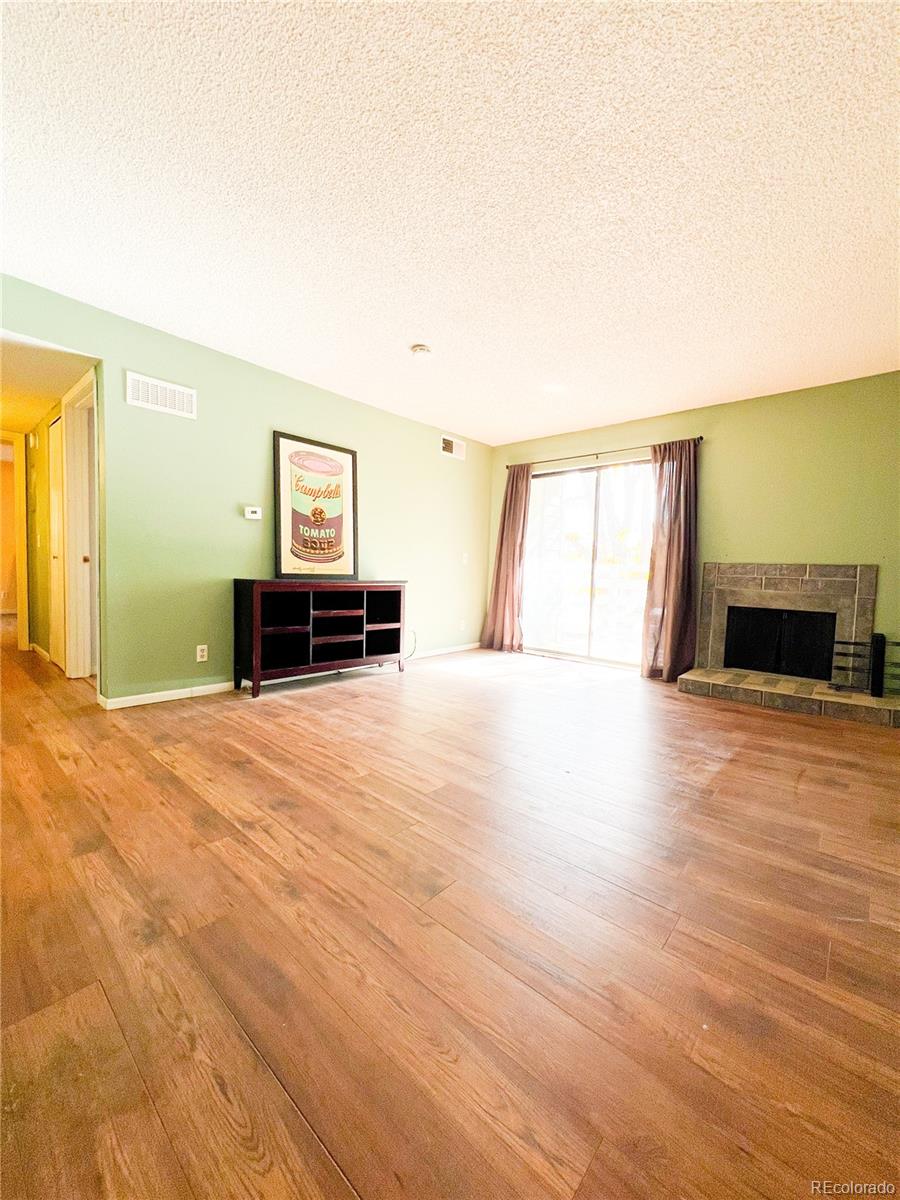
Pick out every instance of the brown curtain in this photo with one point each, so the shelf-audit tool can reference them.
(502, 629)
(670, 616)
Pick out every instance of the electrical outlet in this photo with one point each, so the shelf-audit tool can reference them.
(202, 653)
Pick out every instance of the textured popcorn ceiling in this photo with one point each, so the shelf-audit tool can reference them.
(591, 212)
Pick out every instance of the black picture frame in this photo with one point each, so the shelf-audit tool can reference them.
(298, 567)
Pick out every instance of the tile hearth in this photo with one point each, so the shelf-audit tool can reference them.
(813, 697)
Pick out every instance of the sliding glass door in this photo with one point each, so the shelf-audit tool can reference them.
(559, 556)
(587, 555)
(621, 561)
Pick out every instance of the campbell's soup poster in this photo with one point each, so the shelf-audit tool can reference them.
(316, 509)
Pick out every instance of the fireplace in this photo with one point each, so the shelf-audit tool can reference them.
(846, 592)
(780, 641)
(767, 632)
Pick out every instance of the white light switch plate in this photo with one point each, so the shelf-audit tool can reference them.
(252, 513)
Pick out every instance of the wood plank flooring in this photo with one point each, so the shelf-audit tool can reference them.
(497, 928)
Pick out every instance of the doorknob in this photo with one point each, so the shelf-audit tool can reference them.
(85, 558)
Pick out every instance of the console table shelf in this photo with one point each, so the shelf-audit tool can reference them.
(285, 628)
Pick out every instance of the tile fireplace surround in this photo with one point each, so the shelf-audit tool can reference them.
(848, 590)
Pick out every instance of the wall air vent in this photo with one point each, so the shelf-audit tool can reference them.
(144, 392)
(453, 447)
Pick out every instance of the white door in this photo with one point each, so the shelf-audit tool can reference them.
(92, 550)
(57, 549)
(80, 530)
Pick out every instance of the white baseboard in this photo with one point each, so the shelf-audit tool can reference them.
(40, 651)
(445, 650)
(188, 693)
(207, 689)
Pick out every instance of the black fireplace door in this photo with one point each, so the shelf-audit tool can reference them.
(780, 641)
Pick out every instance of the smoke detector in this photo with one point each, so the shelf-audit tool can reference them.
(419, 348)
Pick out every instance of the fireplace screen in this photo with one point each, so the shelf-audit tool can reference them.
(780, 641)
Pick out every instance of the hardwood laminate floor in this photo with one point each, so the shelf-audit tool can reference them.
(499, 927)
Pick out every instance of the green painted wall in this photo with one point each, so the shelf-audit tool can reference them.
(809, 476)
(804, 476)
(172, 530)
(37, 476)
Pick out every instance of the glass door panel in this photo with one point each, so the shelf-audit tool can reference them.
(624, 530)
(587, 556)
(559, 544)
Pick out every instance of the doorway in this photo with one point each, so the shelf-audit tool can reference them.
(49, 417)
(587, 559)
(8, 590)
(14, 539)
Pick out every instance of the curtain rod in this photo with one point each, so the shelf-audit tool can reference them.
(595, 454)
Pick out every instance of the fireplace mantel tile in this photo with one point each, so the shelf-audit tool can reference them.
(843, 588)
(868, 577)
(833, 571)
(736, 569)
(781, 583)
(832, 587)
(865, 616)
(791, 570)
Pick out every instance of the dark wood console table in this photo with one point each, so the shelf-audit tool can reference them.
(286, 627)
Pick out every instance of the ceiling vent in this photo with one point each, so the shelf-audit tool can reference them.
(452, 447)
(144, 392)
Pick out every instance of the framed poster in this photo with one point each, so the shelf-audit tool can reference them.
(315, 509)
